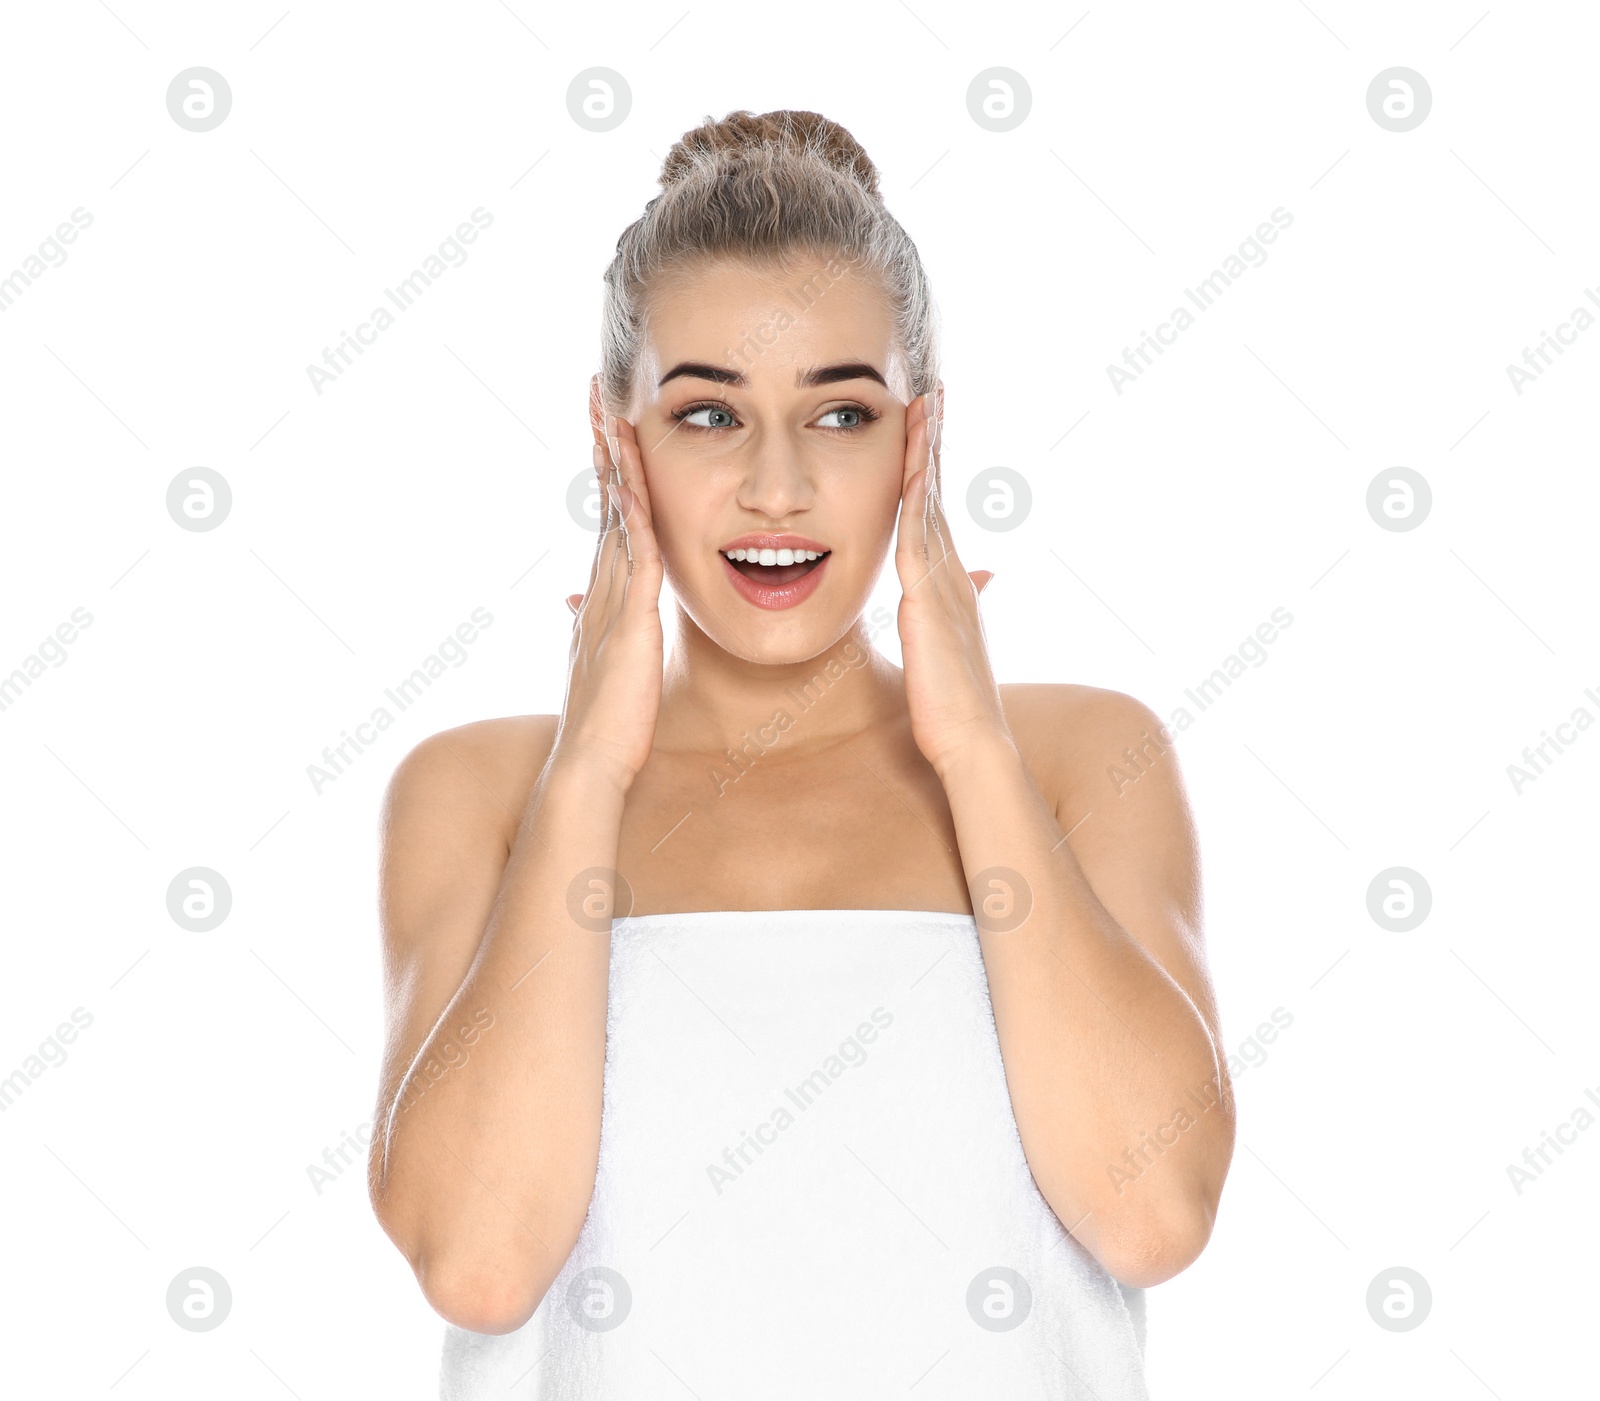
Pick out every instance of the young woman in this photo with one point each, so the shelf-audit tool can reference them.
(776, 1021)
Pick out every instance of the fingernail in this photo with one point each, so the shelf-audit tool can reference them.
(599, 460)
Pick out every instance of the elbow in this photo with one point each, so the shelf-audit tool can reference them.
(473, 1273)
(477, 1298)
(1144, 1266)
(1159, 1251)
(481, 1292)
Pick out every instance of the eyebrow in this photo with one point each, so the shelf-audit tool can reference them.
(807, 379)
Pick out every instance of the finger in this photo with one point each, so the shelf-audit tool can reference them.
(606, 540)
(936, 532)
(614, 564)
(644, 554)
(935, 422)
(915, 411)
(597, 457)
(623, 484)
(630, 468)
(941, 539)
(911, 560)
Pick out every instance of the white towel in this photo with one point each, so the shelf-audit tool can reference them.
(810, 1184)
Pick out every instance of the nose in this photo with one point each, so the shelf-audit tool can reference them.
(776, 482)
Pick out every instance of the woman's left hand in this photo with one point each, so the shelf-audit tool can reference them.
(950, 689)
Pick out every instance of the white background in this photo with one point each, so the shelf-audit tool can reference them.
(1167, 523)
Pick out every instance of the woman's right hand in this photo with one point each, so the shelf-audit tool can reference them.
(614, 666)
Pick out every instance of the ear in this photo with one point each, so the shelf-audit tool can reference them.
(938, 415)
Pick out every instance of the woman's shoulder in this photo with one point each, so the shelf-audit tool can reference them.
(1066, 694)
(1070, 734)
(1064, 709)
(487, 765)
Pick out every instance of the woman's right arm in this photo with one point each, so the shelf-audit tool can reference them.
(496, 967)
(490, 1100)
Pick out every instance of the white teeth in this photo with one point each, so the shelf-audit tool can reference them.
(771, 557)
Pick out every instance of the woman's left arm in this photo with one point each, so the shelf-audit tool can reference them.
(1106, 1022)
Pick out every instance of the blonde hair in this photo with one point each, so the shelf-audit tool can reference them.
(765, 189)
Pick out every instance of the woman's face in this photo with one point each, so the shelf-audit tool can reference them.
(770, 412)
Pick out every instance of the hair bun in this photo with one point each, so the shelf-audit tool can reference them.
(740, 134)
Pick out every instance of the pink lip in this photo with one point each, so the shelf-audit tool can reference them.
(774, 595)
(767, 541)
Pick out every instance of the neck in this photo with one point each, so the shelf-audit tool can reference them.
(712, 701)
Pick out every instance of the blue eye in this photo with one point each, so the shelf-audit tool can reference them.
(716, 411)
(714, 416)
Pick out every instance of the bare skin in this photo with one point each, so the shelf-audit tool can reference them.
(897, 789)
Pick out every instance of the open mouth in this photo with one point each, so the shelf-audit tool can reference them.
(773, 578)
(779, 567)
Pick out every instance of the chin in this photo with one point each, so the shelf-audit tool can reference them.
(767, 636)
